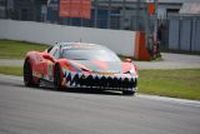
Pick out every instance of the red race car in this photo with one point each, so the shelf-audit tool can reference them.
(80, 65)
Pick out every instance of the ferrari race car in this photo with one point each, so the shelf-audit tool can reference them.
(80, 65)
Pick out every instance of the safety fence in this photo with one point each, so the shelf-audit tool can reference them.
(181, 33)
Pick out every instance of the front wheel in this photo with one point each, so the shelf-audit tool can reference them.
(58, 77)
(27, 73)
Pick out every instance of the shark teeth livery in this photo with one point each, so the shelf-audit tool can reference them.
(80, 65)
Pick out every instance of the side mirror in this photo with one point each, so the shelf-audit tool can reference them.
(49, 49)
(128, 60)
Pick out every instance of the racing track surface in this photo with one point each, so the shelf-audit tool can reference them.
(43, 111)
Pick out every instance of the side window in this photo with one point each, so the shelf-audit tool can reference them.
(51, 52)
(49, 49)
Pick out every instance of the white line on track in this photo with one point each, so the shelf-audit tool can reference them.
(168, 99)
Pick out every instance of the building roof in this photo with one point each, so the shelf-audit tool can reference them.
(190, 8)
(177, 1)
(160, 1)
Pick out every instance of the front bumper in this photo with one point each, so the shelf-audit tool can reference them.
(117, 82)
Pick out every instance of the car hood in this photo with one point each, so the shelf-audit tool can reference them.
(98, 66)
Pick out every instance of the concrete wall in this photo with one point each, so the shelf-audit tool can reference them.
(122, 42)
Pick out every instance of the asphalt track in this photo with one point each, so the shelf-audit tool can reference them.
(43, 111)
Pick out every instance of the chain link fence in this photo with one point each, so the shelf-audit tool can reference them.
(111, 14)
(108, 14)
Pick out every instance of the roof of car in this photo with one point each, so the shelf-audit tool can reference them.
(78, 45)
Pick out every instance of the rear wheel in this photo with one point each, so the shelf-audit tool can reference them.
(58, 77)
(28, 74)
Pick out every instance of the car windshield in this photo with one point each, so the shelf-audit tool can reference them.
(90, 53)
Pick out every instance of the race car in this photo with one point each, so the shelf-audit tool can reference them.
(80, 65)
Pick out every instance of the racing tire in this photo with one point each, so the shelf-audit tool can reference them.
(58, 78)
(28, 74)
(131, 93)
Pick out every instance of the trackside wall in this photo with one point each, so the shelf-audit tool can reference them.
(120, 41)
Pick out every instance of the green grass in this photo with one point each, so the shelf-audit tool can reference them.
(180, 83)
(17, 49)
(9, 70)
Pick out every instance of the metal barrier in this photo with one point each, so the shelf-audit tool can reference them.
(184, 33)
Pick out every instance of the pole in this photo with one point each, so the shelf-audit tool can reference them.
(123, 13)
(109, 13)
(95, 13)
(146, 24)
(156, 20)
(137, 22)
(58, 10)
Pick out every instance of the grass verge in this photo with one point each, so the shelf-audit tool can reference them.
(180, 83)
(18, 49)
(10, 70)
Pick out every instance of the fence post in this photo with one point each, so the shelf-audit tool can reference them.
(123, 14)
(109, 13)
(179, 33)
(95, 12)
(191, 34)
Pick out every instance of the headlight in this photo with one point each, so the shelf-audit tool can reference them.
(132, 71)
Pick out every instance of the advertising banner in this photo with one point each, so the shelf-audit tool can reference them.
(75, 8)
